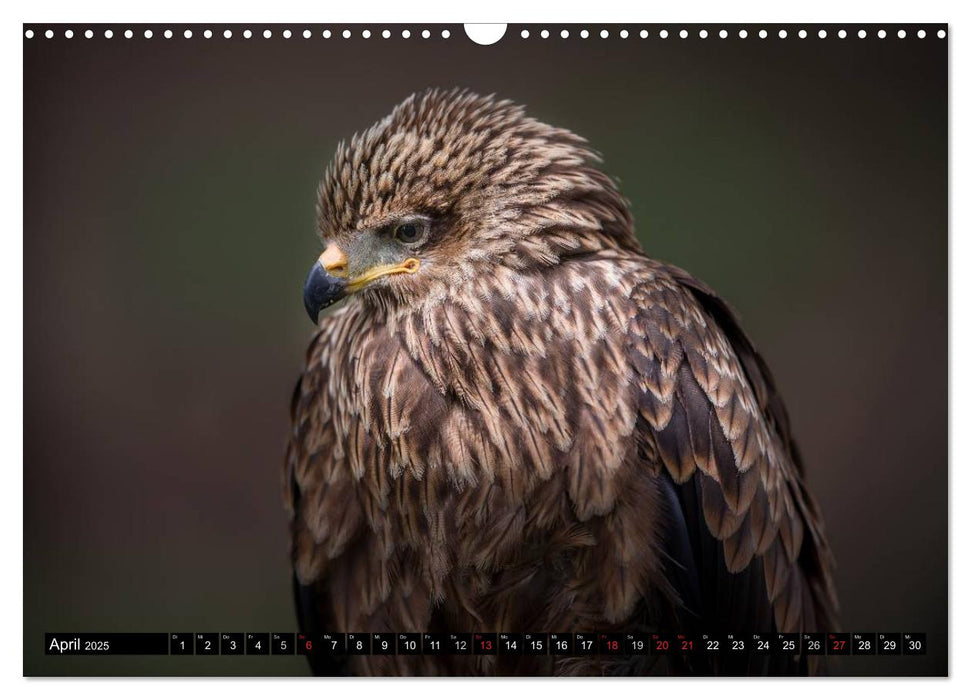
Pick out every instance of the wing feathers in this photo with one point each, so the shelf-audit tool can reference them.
(713, 415)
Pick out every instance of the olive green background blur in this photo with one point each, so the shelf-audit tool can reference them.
(169, 223)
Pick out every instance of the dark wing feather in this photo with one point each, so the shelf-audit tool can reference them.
(816, 561)
(713, 418)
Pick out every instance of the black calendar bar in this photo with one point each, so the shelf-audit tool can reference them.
(485, 643)
(105, 644)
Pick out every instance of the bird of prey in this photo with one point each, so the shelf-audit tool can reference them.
(517, 421)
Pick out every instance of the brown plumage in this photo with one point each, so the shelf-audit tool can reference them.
(532, 426)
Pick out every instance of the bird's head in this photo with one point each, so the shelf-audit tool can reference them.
(449, 187)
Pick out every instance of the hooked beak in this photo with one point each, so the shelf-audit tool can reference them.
(328, 280)
(321, 290)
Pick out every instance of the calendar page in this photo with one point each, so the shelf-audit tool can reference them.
(485, 350)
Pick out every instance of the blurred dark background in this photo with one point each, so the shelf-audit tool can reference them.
(169, 222)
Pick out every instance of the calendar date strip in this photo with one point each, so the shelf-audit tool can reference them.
(482, 643)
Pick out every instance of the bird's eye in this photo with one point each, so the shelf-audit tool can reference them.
(408, 232)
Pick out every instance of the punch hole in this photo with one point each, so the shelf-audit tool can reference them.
(49, 33)
(307, 34)
(247, 34)
(664, 34)
(624, 34)
(742, 34)
(545, 34)
(167, 34)
(643, 34)
(604, 33)
(941, 34)
(109, 33)
(187, 33)
(723, 34)
(822, 34)
(486, 34)
(921, 34)
(683, 33)
(29, 34)
(68, 34)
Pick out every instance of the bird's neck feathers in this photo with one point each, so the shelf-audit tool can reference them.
(470, 358)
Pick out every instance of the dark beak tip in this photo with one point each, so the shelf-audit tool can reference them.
(321, 290)
(311, 311)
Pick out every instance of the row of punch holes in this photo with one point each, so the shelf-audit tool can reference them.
(524, 34)
(245, 34)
